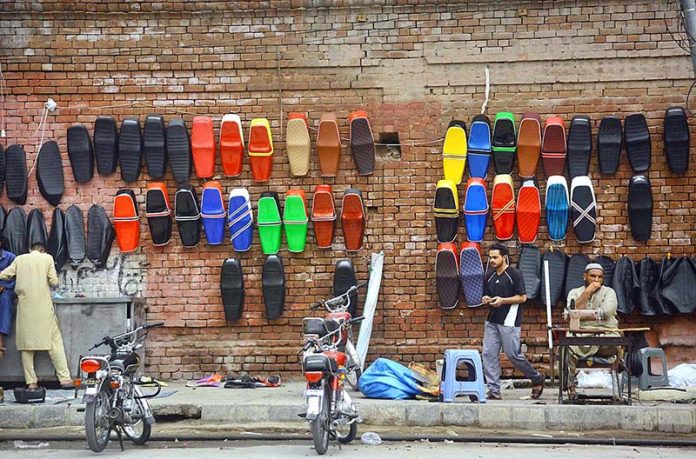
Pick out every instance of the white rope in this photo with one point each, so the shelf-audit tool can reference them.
(488, 91)
(3, 88)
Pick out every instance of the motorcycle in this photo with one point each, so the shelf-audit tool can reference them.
(331, 413)
(113, 398)
(337, 308)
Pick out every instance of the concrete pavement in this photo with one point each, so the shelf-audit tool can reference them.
(282, 405)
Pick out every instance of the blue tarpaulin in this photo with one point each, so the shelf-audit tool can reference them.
(389, 380)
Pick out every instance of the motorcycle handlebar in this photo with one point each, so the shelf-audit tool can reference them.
(155, 325)
(112, 341)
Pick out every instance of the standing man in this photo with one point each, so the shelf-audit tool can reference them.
(37, 324)
(597, 297)
(504, 292)
(6, 298)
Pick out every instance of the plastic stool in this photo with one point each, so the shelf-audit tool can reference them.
(647, 379)
(450, 387)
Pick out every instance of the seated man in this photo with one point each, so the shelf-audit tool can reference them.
(597, 297)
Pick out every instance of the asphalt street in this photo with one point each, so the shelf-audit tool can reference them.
(301, 449)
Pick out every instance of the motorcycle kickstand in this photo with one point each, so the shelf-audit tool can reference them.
(120, 437)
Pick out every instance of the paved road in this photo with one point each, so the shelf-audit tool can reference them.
(243, 450)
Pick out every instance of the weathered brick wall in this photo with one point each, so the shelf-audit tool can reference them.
(413, 67)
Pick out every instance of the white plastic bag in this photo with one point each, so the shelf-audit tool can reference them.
(595, 378)
(683, 375)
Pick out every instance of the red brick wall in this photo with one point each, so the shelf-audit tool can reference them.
(413, 67)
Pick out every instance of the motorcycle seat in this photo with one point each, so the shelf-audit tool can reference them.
(123, 361)
(319, 362)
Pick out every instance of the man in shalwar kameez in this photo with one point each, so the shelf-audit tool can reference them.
(37, 324)
(6, 298)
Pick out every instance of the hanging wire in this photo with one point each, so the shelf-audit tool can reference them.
(3, 91)
(488, 91)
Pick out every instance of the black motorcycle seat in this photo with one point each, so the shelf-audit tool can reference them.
(319, 362)
(123, 361)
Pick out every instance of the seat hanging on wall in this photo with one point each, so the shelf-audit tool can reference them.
(475, 209)
(640, 207)
(579, 146)
(575, 272)
(100, 236)
(213, 213)
(130, 149)
(638, 145)
(179, 149)
(240, 220)
(105, 145)
(529, 264)
(557, 271)
(529, 144)
(155, 146)
(471, 275)
(260, 149)
(609, 143)
(328, 145)
(503, 207)
(626, 285)
(447, 275)
(36, 229)
(16, 174)
(158, 213)
(676, 140)
(583, 209)
(553, 146)
(362, 142)
(353, 219)
(454, 151)
(269, 222)
(324, 216)
(295, 220)
(126, 222)
(81, 154)
(298, 144)
(49, 172)
(479, 148)
(57, 239)
(203, 146)
(528, 212)
(273, 286)
(3, 218)
(677, 286)
(2, 171)
(188, 215)
(504, 143)
(557, 200)
(15, 231)
(446, 210)
(232, 289)
(608, 265)
(232, 145)
(75, 235)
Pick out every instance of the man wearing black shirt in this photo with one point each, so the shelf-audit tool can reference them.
(504, 293)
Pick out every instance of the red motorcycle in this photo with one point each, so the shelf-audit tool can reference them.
(331, 412)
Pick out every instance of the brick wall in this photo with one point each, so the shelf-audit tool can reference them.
(413, 67)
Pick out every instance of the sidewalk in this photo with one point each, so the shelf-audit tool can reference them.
(282, 405)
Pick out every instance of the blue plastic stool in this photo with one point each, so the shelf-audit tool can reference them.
(474, 387)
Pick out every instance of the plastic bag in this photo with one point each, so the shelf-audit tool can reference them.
(388, 380)
(595, 378)
(683, 375)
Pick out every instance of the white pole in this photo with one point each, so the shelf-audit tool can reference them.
(547, 289)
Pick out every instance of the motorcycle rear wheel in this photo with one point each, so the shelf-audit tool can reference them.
(96, 423)
(320, 425)
(349, 436)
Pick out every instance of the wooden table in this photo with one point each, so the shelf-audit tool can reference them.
(594, 339)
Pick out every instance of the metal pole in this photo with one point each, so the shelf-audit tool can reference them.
(549, 322)
(689, 11)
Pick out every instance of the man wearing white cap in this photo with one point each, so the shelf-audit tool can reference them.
(601, 299)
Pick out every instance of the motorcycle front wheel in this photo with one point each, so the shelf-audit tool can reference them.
(97, 426)
(320, 424)
(140, 431)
